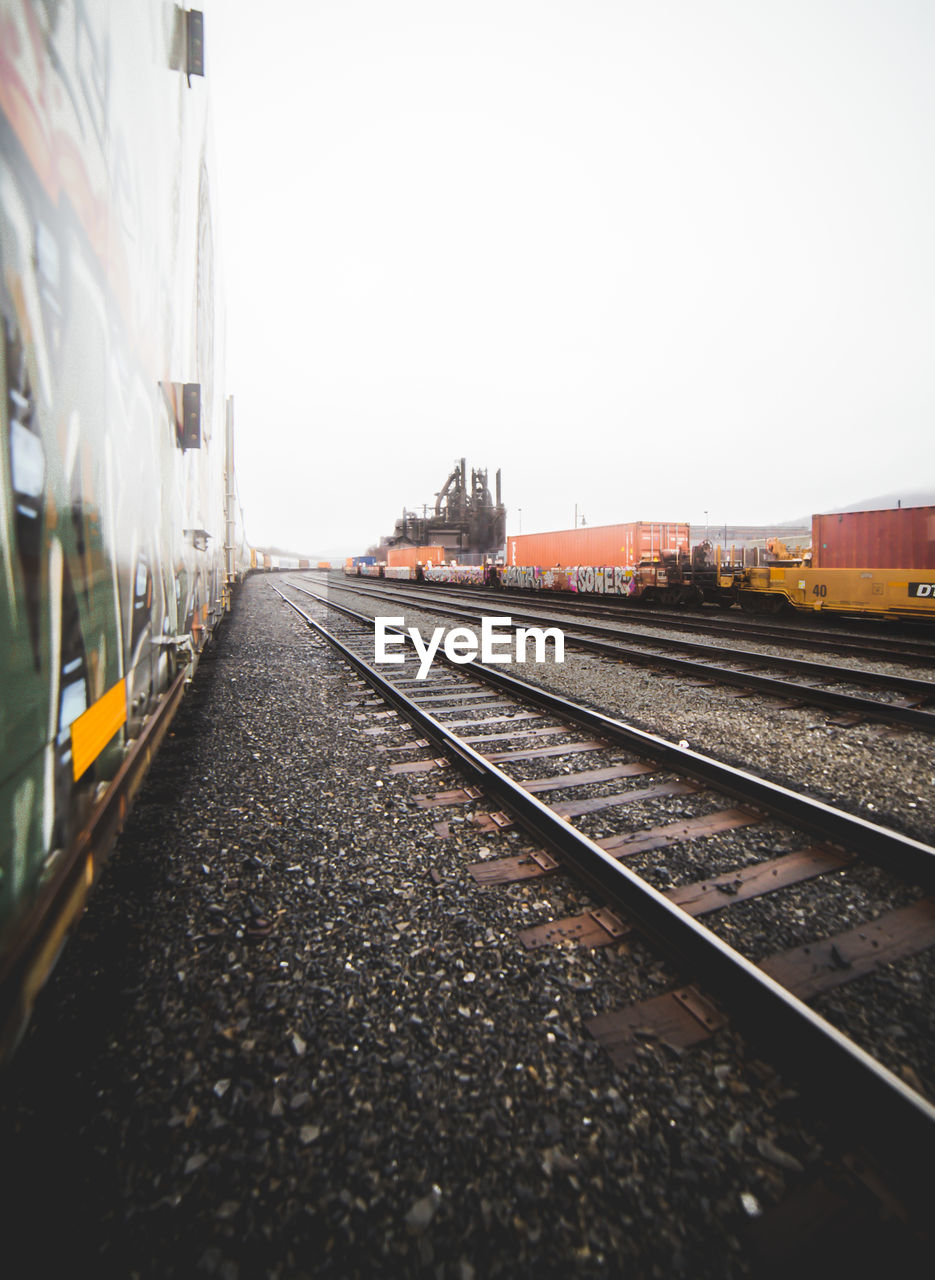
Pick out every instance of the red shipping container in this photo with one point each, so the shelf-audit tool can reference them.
(895, 538)
(411, 556)
(600, 544)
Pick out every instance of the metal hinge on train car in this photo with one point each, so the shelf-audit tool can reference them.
(183, 401)
(195, 31)
(199, 538)
(179, 646)
(191, 415)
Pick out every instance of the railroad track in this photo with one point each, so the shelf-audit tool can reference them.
(821, 634)
(805, 683)
(521, 748)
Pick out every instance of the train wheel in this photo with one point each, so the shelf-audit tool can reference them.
(763, 602)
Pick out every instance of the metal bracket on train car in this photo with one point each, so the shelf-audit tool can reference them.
(191, 415)
(183, 642)
(195, 31)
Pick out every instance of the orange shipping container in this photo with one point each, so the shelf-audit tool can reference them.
(894, 538)
(603, 544)
(411, 556)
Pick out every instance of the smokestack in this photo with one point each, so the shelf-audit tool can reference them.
(498, 486)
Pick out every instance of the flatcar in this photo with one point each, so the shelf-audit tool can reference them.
(879, 593)
(120, 533)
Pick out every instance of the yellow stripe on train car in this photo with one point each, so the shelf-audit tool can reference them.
(94, 728)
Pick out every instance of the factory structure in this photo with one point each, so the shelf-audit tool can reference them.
(466, 520)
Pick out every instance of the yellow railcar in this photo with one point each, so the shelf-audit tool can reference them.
(884, 593)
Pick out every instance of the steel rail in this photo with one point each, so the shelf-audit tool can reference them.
(902, 855)
(802, 666)
(800, 633)
(849, 1079)
(829, 699)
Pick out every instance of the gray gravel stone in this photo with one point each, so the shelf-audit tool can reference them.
(407, 1090)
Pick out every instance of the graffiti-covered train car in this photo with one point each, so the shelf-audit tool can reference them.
(119, 530)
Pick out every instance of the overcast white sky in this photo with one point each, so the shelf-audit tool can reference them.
(653, 257)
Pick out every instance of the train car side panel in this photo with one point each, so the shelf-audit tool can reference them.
(903, 593)
(117, 511)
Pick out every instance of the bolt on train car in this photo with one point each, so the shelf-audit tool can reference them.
(667, 571)
(120, 530)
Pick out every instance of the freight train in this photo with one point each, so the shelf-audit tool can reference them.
(120, 530)
(664, 570)
(272, 564)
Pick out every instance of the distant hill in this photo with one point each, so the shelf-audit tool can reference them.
(905, 498)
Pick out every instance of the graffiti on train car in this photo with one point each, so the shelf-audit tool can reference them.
(532, 578)
(612, 580)
(609, 580)
(473, 574)
(111, 516)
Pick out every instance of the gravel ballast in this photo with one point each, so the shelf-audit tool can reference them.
(885, 775)
(292, 1036)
